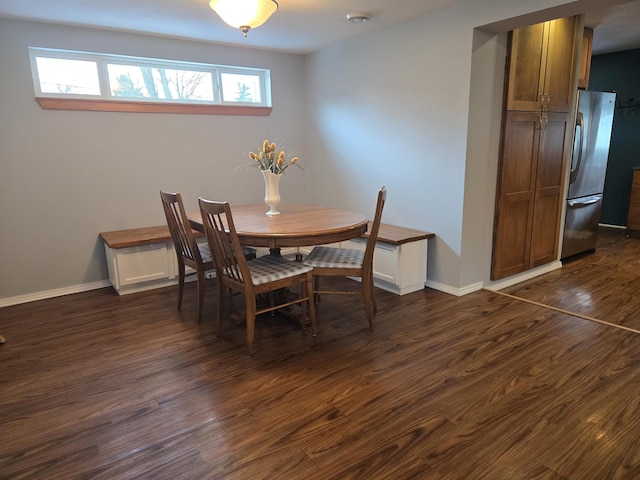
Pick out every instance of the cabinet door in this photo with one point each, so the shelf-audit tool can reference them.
(530, 191)
(542, 66)
(145, 263)
(561, 65)
(515, 196)
(385, 258)
(528, 50)
(545, 231)
(585, 59)
(386, 262)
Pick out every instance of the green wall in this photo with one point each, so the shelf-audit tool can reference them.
(620, 72)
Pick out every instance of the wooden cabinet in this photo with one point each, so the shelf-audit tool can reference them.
(633, 218)
(585, 59)
(536, 141)
(529, 203)
(541, 71)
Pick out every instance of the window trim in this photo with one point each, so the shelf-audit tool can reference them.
(101, 105)
(106, 102)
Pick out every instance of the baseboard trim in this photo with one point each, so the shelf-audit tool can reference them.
(57, 292)
(528, 275)
(458, 292)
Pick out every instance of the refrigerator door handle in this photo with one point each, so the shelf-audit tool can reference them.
(582, 203)
(576, 168)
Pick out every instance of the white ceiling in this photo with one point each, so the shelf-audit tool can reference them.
(299, 26)
(615, 28)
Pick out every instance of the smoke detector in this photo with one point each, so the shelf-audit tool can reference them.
(359, 17)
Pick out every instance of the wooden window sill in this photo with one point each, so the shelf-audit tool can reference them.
(148, 107)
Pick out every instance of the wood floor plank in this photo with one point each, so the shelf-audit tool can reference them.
(602, 284)
(98, 386)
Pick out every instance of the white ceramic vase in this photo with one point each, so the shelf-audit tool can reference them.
(271, 191)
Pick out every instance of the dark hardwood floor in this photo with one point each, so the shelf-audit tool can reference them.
(97, 386)
(603, 285)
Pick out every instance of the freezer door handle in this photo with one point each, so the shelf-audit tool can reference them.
(585, 202)
(575, 168)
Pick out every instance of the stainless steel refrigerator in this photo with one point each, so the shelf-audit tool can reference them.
(594, 120)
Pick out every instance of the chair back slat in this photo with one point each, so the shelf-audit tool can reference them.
(183, 239)
(223, 240)
(375, 228)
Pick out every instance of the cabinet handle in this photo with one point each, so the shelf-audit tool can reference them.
(544, 121)
(544, 100)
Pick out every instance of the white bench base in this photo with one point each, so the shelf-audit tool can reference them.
(143, 258)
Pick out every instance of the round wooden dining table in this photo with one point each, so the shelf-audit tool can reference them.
(296, 226)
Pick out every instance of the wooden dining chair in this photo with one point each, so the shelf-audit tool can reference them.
(189, 252)
(254, 277)
(346, 262)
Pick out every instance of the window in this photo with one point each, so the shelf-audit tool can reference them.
(74, 76)
(159, 83)
(60, 76)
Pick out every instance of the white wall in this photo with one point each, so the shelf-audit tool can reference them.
(483, 146)
(66, 176)
(387, 110)
(415, 107)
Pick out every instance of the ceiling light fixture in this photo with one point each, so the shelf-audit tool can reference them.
(244, 14)
(359, 17)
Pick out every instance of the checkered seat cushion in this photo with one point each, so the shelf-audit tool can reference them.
(328, 257)
(205, 253)
(270, 268)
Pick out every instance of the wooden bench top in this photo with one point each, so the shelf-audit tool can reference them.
(148, 235)
(399, 235)
(138, 236)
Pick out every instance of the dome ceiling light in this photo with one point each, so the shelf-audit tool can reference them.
(244, 14)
